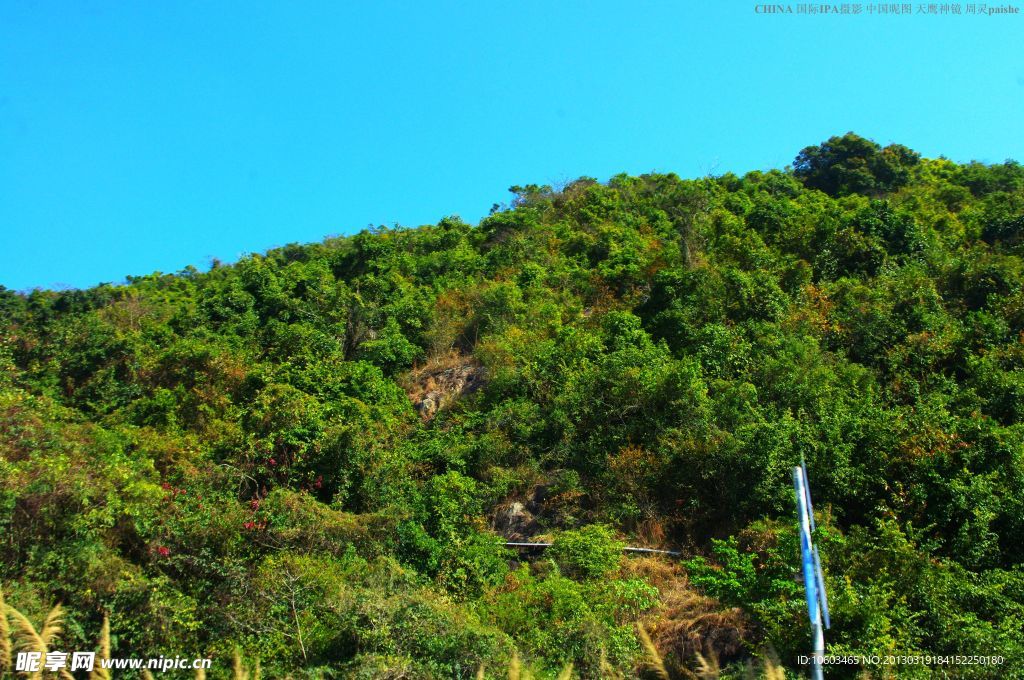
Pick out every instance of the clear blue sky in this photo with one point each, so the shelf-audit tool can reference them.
(143, 136)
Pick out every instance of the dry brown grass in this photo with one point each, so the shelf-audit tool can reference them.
(436, 363)
(651, 533)
(689, 626)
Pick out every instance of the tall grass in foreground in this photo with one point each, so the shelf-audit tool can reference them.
(25, 637)
(653, 666)
(5, 636)
(18, 634)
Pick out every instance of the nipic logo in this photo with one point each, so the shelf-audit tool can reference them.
(35, 662)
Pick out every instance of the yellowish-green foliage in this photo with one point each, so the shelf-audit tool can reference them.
(6, 647)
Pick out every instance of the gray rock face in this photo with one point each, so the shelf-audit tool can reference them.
(514, 521)
(427, 407)
(437, 389)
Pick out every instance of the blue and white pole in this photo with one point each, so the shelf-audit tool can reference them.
(814, 582)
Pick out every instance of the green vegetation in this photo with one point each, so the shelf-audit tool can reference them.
(311, 455)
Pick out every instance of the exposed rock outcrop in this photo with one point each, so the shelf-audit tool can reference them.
(437, 384)
(514, 521)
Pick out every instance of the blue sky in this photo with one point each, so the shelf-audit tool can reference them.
(137, 137)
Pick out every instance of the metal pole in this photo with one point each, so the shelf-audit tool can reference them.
(810, 578)
(819, 649)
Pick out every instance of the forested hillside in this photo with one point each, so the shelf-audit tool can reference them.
(314, 455)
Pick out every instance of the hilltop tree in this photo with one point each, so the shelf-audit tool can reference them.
(852, 164)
